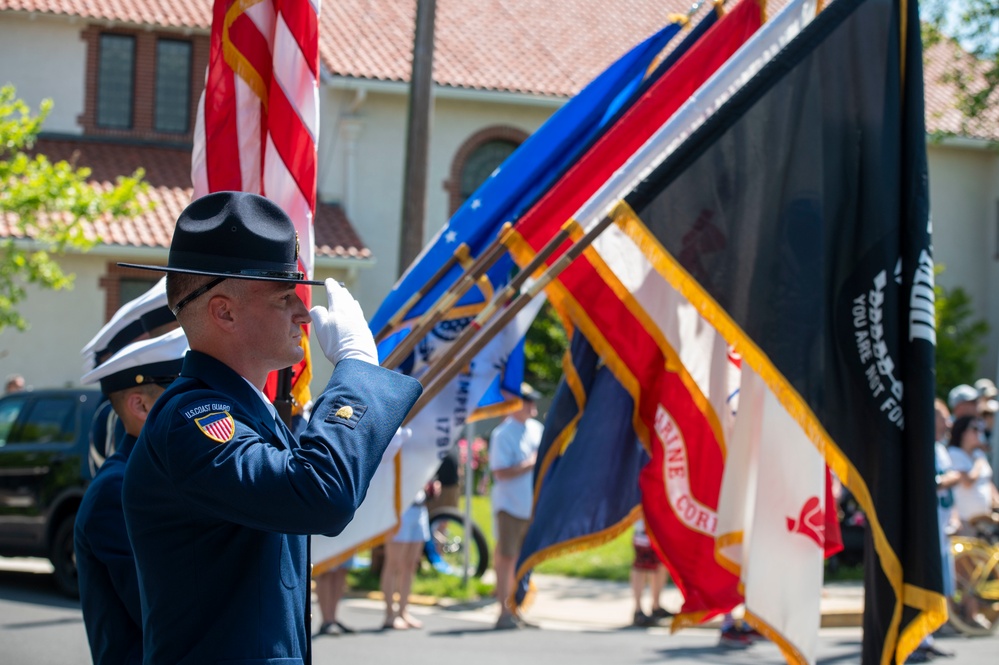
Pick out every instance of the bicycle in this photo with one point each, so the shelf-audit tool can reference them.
(446, 548)
(973, 609)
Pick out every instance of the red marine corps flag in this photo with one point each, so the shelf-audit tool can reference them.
(258, 121)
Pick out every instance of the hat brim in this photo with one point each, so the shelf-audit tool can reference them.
(228, 275)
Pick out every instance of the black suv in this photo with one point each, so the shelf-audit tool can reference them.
(44, 470)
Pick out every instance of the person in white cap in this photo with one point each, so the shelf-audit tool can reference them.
(140, 318)
(963, 401)
(132, 380)
(127, 325)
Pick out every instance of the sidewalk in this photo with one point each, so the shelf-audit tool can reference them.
(577, 603)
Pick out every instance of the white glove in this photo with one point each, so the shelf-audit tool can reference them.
(341, 328)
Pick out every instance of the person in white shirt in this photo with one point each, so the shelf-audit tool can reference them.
(975, 496)
(513, 452)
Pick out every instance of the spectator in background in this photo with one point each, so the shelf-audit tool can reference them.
(946, 478)
(647, 571)
(15, 384)
(988, 406)
(987, 409)
(447, 476)
(330, 585)
(986, 389)
(963, 401)
(975, 496)
(402, 554)
(513, 452)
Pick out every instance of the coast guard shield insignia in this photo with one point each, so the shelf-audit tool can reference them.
(217, 426)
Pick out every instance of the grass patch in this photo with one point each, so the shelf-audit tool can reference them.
(844, 573)
(610, 561)
(428, 582)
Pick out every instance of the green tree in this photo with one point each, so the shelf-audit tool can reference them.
(974, 24)
(45, 204)
(960, 338)
(543, 350)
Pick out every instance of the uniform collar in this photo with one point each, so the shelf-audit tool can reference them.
(220, 377)
(263, 398)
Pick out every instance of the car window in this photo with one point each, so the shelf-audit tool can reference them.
(9, 408)
(49, 420)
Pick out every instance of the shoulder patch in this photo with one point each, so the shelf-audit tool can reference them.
(217, 426)
(204, 407)
(346, 414)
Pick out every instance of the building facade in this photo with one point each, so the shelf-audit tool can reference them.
(125, 79)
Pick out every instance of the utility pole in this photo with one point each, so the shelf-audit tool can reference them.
(414, 198)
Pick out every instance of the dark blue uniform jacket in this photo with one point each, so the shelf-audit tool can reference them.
(218, 498)
(109, 590)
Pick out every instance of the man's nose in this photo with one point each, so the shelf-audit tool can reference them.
(301, 312)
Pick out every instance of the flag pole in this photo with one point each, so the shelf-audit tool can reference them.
(454, 364)
(449, 298)
(461, 255)
(504, 297)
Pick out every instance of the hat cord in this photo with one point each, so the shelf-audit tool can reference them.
(197, 292)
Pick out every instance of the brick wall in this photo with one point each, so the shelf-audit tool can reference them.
(144, 84)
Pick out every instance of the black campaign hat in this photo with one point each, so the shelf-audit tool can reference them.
(236, 235)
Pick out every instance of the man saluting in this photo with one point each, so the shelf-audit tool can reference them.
(218, 495)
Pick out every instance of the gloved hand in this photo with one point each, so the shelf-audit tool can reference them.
(341, 328)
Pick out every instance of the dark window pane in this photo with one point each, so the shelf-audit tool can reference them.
(173, 85)
(129, 289)
(49, 421)
(115, 77)
(481, 163)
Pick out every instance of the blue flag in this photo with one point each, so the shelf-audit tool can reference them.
(519, 180)
(586, 481)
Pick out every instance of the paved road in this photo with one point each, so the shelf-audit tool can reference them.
(38, 627)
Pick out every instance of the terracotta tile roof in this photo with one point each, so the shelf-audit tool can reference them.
(543, 47)
(942, 113)
(164, 13)
(168, 172)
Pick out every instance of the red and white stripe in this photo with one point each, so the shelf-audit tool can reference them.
(257, 127)
(258, 118)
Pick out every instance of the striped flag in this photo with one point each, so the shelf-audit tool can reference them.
(654, 342)
(257, 125)
(754, 210)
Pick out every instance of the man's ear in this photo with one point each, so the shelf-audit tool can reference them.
(220, 311)
(135, 402)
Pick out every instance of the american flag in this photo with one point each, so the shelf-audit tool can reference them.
(258, 120)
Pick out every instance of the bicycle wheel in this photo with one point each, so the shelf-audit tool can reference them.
(974, 609)
(447, 533)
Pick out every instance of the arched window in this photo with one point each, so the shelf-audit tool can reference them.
(477, 158)
(481, 163)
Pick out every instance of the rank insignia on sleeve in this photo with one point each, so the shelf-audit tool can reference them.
(346, 414)
(217, 426)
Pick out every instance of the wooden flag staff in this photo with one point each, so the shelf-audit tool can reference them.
(504, 297)
(455, 364)
(449, 299)
(460, 255)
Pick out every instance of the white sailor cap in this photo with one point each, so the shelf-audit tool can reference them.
(157, 360)
(134, 318)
